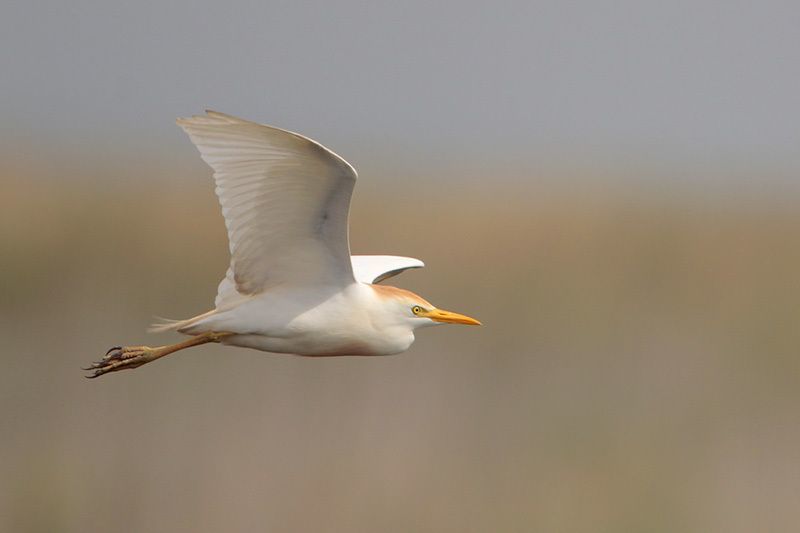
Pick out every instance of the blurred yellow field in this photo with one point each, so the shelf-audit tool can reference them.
(637, 368)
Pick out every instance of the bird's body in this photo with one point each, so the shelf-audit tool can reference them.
(313, 321)
(292, 285)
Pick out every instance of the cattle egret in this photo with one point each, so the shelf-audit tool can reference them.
(292, 286)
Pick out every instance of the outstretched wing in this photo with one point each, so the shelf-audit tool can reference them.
(285, 199)
(376, 268)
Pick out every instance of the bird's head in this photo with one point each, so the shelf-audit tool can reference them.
(415, 311)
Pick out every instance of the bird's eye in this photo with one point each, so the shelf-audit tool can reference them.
(416, 309)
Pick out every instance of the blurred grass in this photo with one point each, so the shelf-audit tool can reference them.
(637, 369)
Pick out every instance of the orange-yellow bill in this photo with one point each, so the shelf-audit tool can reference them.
(439, 315)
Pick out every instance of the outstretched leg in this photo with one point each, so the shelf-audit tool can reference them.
(125, 357)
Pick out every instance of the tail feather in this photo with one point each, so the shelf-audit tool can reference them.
(162, 325)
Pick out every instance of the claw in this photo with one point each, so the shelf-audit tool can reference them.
(99, 372)
(98, 369)
(104, 365)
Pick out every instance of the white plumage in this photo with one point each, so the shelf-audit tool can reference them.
(292, 285)
(285, 200)
(377, 268)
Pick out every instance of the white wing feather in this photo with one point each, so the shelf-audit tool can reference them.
(285, 199)
(376, 268)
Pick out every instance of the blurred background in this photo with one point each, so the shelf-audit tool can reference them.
(612, 188)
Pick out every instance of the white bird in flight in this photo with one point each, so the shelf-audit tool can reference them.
(292, 285)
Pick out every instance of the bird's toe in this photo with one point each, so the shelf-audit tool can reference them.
(119, 358)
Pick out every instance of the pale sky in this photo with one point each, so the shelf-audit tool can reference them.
(685, 80)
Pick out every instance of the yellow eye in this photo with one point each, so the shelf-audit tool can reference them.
(416, 309)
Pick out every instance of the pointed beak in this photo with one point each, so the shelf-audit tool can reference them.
(449, 317)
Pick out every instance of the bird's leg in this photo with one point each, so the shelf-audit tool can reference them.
(125, 357)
